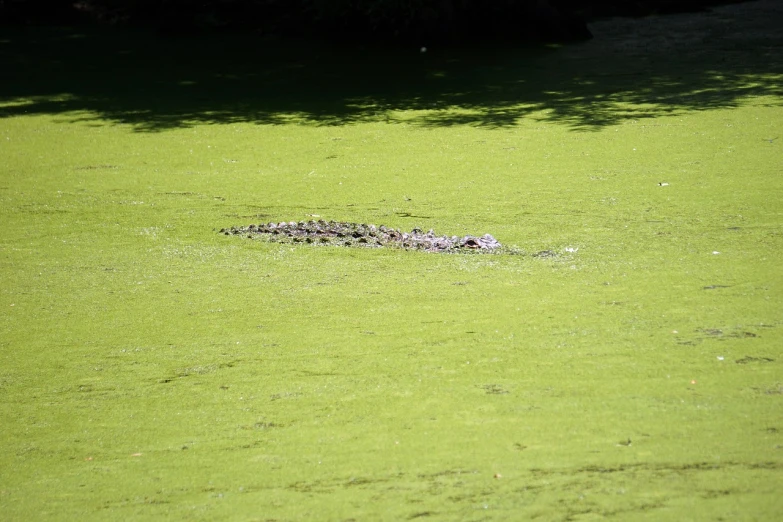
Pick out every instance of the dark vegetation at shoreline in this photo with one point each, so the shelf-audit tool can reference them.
(153, 82)
(368, 21)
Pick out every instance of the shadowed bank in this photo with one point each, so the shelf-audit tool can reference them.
(636, 68)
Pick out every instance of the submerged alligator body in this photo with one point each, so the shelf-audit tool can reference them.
(357, 234)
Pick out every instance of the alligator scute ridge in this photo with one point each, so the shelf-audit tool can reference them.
(363, 235)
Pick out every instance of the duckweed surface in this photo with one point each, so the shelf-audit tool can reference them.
(151, 368)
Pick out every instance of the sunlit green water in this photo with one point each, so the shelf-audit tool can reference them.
(152, 368)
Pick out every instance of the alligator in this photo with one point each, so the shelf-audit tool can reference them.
(362, 235)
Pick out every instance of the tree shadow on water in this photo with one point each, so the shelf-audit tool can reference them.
(635, 68)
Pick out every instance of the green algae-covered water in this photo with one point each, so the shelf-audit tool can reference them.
(151, 368)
